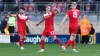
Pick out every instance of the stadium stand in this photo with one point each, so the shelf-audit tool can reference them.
(36, 9)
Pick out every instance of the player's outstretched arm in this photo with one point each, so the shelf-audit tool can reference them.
(39, 22)
(64, 19)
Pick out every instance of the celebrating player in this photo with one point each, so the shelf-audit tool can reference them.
(48, 17)
(22, 18)
(73, 15)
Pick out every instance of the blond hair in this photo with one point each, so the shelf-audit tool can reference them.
(74, 4)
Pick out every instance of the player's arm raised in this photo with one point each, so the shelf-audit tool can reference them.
(64, 19)
(39, 22)
(56, 11)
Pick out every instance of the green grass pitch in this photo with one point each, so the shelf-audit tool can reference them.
(50, 50)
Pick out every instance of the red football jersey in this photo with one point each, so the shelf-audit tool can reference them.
(73, 16)
(49, 20)
(21, 21)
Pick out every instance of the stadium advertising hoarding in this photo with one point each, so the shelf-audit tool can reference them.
(98, 38)
(4, 39)
(34, 39)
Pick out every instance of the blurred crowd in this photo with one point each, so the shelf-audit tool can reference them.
(35, 5)
(15, 4)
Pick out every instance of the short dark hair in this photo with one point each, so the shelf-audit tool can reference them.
(22, 8)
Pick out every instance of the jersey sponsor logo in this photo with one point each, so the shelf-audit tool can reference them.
(23, 17)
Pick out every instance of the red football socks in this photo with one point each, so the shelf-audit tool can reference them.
(59, 41)
(21, 42)
(42, 44)
(68, 43)
(73, 44)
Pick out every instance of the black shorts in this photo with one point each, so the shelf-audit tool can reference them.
(11, 29)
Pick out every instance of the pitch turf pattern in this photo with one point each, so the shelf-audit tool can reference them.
(50, 50)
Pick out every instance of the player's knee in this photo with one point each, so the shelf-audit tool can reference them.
(21, 37)
(24, 38)
(42, 38)
(54, 37)
(74, 35)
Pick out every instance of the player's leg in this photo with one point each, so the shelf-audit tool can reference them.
(21, 42)
(71, 38)
(59, 42)
(73, 44)
(44, 34)
(42, 44)
(73, 34)
(53, 35)
(71, 41)
(22, 35)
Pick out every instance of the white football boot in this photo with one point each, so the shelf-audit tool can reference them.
(63, 48)
(41, 50)
(74, 50)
